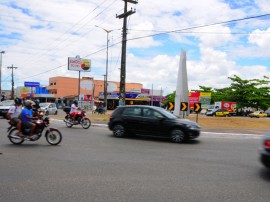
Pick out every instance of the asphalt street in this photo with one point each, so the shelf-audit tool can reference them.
(92, 165)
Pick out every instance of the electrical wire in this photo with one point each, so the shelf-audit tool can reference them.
(166, 32)
(58, 41)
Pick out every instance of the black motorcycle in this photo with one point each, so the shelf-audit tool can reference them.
(52, 135)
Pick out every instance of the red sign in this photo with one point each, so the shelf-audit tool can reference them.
(145, 91)
(194, 97)
(87, 97)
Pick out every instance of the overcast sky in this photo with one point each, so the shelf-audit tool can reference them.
(38, 37)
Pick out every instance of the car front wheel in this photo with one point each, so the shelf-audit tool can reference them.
(177, 136)
(119, 130)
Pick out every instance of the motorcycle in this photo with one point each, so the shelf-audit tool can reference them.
(99, 110)
(52, 135)
(80, 119)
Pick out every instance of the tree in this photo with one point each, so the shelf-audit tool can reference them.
(251, 93)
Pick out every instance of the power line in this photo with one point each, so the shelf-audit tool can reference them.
(165, 32)
(67, 31)
(200, 26)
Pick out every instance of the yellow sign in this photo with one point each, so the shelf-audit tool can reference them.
(170, 106)
(184, 106)
(205, 94)
(197, 107)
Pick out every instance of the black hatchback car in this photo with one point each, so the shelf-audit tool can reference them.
(153, 121)
(265, 151)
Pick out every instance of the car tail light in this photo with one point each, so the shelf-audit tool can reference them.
(110, 117)
(267, 144)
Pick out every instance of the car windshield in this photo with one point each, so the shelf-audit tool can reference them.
(44, 104)
(7, 103)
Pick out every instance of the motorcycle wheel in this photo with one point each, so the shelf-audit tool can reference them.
(86, 123)
(69, 122)
(13, 140)
(53, 137)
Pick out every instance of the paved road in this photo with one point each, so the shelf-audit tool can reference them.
(91, 165)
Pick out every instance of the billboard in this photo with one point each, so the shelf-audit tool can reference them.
(79, 64)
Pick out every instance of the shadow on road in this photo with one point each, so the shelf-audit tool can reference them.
(156, 139)
(265, 174)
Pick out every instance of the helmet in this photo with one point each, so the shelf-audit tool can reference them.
(75, 102)
(29, 103)
(18, 101)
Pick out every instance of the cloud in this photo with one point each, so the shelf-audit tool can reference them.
(261, 38)
(42, 37)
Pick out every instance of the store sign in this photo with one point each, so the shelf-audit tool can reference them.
(31, 84)
(79, 64)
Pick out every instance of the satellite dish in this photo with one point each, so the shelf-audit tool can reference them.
(86, 84)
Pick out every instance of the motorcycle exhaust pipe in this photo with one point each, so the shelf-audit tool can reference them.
(68, 122)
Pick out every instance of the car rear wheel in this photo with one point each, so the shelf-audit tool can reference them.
(119, 130)
(178, 136)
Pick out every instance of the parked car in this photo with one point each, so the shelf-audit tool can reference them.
(153, 121)
(211, 112)
(268, 112)
(257, 114)
(48, 108)
(4, 107)
(222, 112)
(265, 151)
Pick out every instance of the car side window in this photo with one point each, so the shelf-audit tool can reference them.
(151, 113)
(148, 113)
(158, 115)
(132, 111)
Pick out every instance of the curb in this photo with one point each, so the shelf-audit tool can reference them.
(206, 134)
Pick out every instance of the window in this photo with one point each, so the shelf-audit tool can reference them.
(132, 111)
(152, 113)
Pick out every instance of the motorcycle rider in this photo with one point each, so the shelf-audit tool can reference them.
(73, 110)
(36, 107)
(14, 113)
(27, 117)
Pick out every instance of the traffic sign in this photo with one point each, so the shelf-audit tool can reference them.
(170, 106)
(184, 106)
(197, 107)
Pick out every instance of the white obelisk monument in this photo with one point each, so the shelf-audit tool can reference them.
(181, 94)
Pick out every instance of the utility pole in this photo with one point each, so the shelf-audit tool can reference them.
(106, 79)
(12, 80)
(1, 53)
(122, 97)
(105, 86)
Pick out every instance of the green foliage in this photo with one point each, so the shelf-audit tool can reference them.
(247, 93)
(169, 98)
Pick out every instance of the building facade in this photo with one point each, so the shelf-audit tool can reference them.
(89, 89)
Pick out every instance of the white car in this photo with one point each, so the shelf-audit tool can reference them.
(4, 107)
(48, 108)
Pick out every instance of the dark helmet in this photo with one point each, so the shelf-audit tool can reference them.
(18, 101)
(75, 102)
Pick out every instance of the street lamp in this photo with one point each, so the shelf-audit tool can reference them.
(1, 53)
(106, 76)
